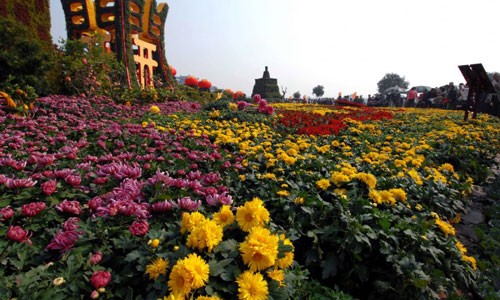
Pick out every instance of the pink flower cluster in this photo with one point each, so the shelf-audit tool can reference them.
(78, 158)
(66, 238)
(71, 207)
(6, 213)
(263, 107)
(100, 279)
(17, 234)
(32, 209)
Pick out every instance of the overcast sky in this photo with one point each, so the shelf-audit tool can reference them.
(346, 46)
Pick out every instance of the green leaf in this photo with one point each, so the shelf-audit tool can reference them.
(218, 267)
(229, 247)
(275, 292)
(132, 256)
(329, 266)
(421, 280)
(307, 210)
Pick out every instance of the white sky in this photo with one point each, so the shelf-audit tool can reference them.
(345, 45)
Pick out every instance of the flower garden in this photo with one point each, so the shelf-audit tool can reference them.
(227, 200)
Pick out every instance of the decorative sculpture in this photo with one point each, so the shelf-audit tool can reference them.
(133, 29)
(266, 86)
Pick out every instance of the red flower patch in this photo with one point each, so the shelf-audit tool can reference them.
(331, 123)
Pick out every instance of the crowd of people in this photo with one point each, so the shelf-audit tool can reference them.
(445, 97)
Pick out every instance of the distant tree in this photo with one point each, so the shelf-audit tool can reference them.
(390, 80)
(319, 91)
(296, 95)
(283, 92)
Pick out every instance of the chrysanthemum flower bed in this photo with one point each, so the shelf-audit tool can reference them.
(99, 200)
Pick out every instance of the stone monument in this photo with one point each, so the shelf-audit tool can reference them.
(266, 87)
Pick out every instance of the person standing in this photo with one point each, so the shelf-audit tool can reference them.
(412, 96)
(496, 98)
(463, 93)
(451, 96)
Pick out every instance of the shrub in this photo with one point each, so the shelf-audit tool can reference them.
(87, 68)
(25, 60)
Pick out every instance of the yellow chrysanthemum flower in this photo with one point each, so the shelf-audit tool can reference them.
(233, 106)
(270, 176)
(188, 274)
(470, 260)
(190, 220)
(338, 178)
(456, 219)
(285, 262)
(224, 217)
(208, 298)
(399, 194)
(283, 193)
(260, 249)
(252, 286)
(445, 227)
(448, 167)
(415, 176)
(8, 100)
(277, 275)
(154, 243)
(298, 200)
(156, 268)
(207, 234)
(399, 163)
(323, 184)
(154, 109)
(374, 195)
(461, 247)
(387, 197)
(252, 214)
(214, 114)
(369, 179)
(348, 170)
(58, 281)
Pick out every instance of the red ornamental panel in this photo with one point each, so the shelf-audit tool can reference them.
(191, 81)
(204, 84)
(22, 13)
(3, 8)
(238, 95)
(173, 70)
(40, 5)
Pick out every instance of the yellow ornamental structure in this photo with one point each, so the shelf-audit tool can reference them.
(133, 29)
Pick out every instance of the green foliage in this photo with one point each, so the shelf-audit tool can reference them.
(88, 69)
(221, 104)
(374, 251)
(249, 116)
(296, 95)
(319, 91)
(390, 80)
(25, 60)
(184, 92)
(20, 94)
(488, 247)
